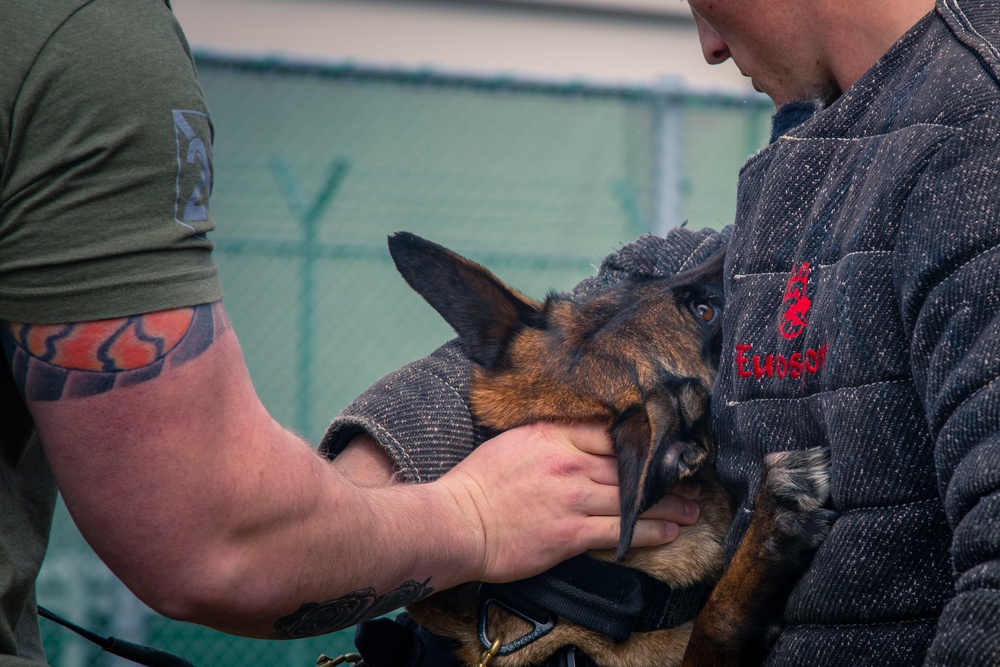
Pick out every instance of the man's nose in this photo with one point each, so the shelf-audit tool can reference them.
(713, 47)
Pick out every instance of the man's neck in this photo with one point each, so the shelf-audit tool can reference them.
(864, 30)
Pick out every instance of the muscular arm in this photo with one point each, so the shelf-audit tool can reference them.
(211, 512)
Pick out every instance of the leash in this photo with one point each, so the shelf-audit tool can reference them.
(137, 653)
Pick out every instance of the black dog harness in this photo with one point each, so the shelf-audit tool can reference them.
(610, 599)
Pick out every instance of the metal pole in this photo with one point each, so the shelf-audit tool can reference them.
(308, 216)
(668, 119)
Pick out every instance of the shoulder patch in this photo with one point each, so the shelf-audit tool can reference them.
(193, 132)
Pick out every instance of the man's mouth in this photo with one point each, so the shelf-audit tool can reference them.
(752, 82)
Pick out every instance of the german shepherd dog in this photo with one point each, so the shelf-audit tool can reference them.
(639, 358)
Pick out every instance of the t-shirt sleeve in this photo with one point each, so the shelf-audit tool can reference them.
(106, 170)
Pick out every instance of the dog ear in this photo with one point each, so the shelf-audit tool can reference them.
(483, 311)
(652, 454)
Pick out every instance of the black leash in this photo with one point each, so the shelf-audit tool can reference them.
(143, 655)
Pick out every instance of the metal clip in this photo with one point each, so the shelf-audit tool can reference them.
(539, 628)
(324, 661)
(489, 654)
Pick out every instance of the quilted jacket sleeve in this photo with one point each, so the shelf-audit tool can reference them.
(947, 270)
(419, 414)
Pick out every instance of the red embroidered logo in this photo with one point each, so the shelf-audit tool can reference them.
(794, 320)
(796, 304)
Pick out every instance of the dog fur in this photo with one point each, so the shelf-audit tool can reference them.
(639, 358)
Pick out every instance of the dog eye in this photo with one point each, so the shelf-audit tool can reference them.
(705, 312)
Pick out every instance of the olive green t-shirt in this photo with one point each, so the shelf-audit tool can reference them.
(105, 175)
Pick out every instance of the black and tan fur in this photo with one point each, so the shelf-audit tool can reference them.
(639, 358)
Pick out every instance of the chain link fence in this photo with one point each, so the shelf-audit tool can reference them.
(316, 164)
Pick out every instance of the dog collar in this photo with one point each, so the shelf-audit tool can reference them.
(604, 597)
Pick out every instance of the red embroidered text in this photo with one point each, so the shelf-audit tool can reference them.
(795, 365)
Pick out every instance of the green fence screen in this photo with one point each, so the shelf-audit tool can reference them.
(316, 164)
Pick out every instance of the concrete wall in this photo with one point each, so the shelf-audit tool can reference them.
(638, 41)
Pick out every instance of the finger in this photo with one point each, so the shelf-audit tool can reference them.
(689, 489)
(651, 533)
(590, 438)
(600, 500)
(675, 509)
(647, 532)
(604, 471)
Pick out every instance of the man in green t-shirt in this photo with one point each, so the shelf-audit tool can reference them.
(122, 382)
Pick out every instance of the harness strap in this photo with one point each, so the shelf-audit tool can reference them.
(605, 597)
(569, 656)
(384, 642)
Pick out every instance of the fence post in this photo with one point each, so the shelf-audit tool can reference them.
(668, 155)
(308, 216)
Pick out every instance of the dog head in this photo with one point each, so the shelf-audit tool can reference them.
(640, 358)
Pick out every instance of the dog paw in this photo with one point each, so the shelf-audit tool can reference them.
(799, 478)
(795, 491)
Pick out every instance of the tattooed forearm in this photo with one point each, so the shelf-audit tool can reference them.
(320, 618)
(50, 362)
